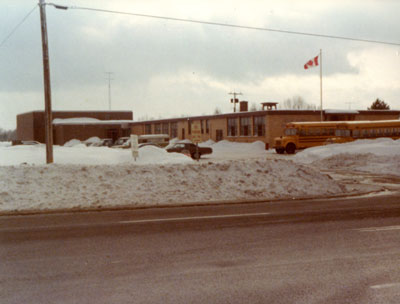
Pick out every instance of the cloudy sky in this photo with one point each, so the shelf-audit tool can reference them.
(164, 68)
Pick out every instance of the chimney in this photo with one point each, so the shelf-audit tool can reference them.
(243, 106)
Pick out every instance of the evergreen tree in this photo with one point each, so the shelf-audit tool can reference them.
(379, 105)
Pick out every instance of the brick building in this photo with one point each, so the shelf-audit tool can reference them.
(69, 125)
(251, 126)
(243, 126)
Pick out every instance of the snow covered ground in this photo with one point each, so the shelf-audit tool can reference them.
(380, 156)
(95, 177)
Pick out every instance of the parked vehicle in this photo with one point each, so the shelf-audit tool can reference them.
(190, 149)
(159, 140)
(122, 142)
(104, 142)
(301, 135)
(25, 142)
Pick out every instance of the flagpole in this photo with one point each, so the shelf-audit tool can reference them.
(320, 78)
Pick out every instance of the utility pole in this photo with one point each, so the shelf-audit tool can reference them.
(109, 74)
(47, 88)
(234, 100)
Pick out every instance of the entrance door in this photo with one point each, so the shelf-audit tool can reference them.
(113, 134)
(218, 135)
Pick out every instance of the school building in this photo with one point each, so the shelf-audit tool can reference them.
(241, 126)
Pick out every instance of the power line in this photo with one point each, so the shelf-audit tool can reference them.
(227, 25)
(18, 25)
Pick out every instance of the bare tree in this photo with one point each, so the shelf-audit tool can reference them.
(297, 103)
(253, 107)
(217, 111)
(8, 135)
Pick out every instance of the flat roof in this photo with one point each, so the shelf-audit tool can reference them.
(88, 121)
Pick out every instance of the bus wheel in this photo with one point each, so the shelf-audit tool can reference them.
(280, 150)
(290, 148)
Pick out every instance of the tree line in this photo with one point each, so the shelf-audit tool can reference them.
(8, 135)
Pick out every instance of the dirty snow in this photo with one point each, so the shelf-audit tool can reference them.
(380, 156)
(95, 177)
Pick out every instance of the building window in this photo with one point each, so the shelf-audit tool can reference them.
(189, 127)
(174, 129)
(259, 126)
(147, 129)
(207, 126)
(165, 128)
(157, 128)
(245, 126)
(232, 126)
(201, 125)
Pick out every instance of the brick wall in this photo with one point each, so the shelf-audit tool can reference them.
(31, 125)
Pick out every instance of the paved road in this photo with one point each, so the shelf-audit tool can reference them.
(322, 251)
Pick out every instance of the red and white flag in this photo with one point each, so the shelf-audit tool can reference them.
(311, 63)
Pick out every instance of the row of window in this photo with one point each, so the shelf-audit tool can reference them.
(310, 132)
(357, 133)
(379, 132)
(243, 126)
(204, 124)
(172, 128)
(247, 126)
(162, 128)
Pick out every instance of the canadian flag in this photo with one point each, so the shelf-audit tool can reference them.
(312, 63)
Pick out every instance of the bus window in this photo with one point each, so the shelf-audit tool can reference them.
(314, 131)
(356, 133)
(290, 132)
(342, 133)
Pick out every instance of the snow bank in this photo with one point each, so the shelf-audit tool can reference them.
(234, 150)
(84, 177)
(73, 143)
(379, 147)
(61, 186)
(77, 153)
(93, 140)
(381, 156)
(5, 143)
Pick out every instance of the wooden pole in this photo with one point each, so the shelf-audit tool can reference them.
(47, 89)
(320, 78)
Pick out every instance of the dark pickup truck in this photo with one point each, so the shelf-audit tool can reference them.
(189, 149)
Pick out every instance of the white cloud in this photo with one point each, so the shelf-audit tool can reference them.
(170, 68)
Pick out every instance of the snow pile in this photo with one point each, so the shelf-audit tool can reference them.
(234, 150)
(95, 177)
(380, 156)
(60, 186)
(77, 153)
(93, 140)
(73, 143)
(5, 143)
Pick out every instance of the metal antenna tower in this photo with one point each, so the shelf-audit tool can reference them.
(234, 100)
(109, 77)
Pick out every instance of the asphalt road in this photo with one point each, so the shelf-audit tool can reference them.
(321, 251)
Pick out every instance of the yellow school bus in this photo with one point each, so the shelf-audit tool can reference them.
(301, 135)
